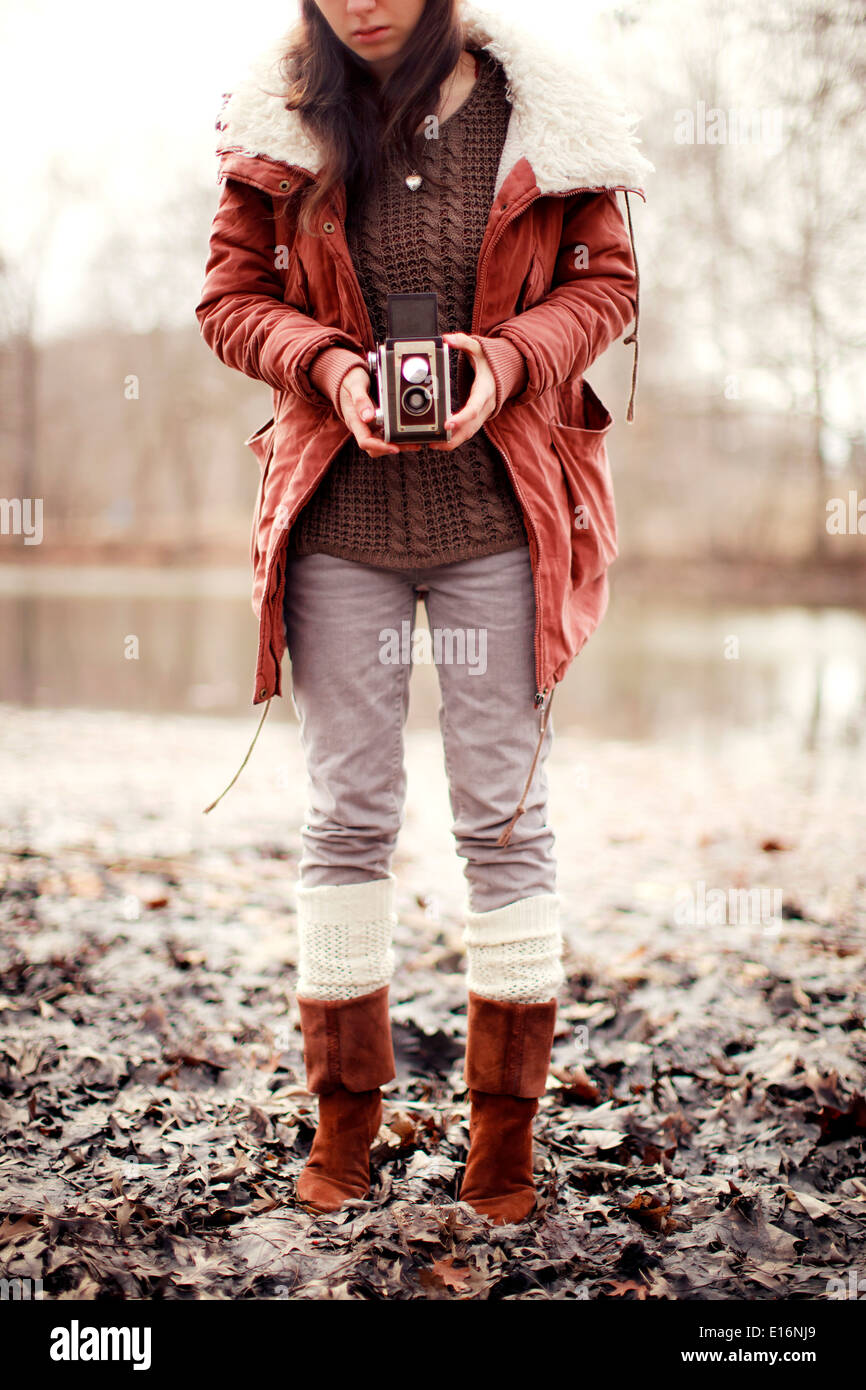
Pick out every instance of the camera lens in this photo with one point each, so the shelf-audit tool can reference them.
(417, 400)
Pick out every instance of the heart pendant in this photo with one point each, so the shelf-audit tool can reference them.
(413, 181)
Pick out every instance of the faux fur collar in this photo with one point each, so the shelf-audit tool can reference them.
(567, 124)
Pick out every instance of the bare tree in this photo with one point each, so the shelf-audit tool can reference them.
(818, 72)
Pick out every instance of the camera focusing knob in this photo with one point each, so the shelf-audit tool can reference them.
(416, 369)
(373, 367)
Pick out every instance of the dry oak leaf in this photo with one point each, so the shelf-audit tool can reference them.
(651, 1213)
(576, 1085)
(449, 1275)
(623, 1286)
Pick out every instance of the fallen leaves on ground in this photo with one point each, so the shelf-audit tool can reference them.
(702, 1135)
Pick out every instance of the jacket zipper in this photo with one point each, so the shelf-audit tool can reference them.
(541, 696)
(365, 318)
(361, 303)
(279, 550)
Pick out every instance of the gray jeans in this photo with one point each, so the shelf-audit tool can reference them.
(349, 635)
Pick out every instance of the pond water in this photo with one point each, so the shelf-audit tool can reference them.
(655, 668)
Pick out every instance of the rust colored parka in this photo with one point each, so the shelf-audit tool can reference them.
(556, 277)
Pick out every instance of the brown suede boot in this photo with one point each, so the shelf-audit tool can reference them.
(348, 1053)
(508, 1050)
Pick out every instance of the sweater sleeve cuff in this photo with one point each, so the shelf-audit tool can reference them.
(328, 368)
(508, 366)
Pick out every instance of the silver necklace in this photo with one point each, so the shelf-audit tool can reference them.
(413, 180)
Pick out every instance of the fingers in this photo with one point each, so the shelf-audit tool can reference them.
(459, 436)
(463, 425)
(466, 422)
(480, 400)
(358, 409)
(463, 340)
(371, 444)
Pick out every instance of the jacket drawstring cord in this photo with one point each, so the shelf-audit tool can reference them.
(632, 337)
(506, 834)
(245, 761)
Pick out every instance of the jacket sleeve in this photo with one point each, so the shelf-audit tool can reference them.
(508, 367)
(327, 370)
(242, 313)
(591, 302)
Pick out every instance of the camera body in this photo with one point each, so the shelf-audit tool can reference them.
(410, 375)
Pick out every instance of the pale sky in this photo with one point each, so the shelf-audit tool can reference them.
(118, 102)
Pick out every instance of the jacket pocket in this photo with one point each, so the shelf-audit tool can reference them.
(261, 441)
(262, 444)
(532, 289)
(582, 453)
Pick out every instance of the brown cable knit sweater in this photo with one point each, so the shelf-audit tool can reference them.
(427, 507)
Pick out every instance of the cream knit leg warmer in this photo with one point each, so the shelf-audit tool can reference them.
(514, 952)
(344, 938)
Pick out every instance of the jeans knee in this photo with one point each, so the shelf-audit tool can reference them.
(362, 850)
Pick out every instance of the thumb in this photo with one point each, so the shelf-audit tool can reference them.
(361, 401)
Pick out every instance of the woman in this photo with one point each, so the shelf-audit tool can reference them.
(332, 199)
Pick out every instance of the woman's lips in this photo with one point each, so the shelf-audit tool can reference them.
(370, 35)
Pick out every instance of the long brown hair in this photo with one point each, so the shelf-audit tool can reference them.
(349, 114)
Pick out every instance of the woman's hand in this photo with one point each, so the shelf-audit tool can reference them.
(357, 409)
(481, 401)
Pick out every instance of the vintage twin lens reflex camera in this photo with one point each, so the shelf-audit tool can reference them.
(410, 379)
